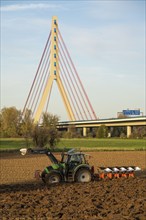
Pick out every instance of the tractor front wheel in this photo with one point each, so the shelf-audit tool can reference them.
(52, 178)
(83, 175)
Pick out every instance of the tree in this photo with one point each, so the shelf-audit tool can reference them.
(53, 138)
(118, 131)
(27, 126)
(10, 122)
(93, 133)
(47, 133)
(49, 120)
(40, 136)
(72, 132)
(138, 132)
(102, 131)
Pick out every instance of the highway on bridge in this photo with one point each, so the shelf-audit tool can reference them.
(113, 122)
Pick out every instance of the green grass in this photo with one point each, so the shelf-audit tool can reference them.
(13, 143)
(104, 144)
(91, 144)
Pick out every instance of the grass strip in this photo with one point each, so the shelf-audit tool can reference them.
(91, 144)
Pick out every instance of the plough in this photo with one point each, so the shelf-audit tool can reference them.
(117, 172)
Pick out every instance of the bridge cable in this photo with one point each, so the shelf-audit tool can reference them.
(70, 91)
(77, 84)
(42, 77)
(84, 92)
(37, 82)
(73, 84)
(62, 75)
(36, 74)
(48, 99)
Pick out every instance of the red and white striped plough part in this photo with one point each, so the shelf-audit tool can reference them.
(117, 172)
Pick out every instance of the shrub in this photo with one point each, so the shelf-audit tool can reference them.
(102, 132)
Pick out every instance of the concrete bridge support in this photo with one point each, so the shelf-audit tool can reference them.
(129, 131)
(84, 131)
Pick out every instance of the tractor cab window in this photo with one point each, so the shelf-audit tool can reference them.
(64, 158)
(79, 158)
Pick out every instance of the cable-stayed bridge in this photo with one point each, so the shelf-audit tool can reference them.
(56, 65)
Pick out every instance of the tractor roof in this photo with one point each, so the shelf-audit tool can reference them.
(74, 153)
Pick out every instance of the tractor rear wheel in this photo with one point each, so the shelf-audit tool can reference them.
(52, 178)
(83, 175)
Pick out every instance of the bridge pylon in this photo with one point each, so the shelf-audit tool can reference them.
(56, 65)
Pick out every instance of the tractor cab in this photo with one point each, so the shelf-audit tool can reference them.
(73, 158)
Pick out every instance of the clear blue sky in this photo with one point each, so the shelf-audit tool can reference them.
(106, 40)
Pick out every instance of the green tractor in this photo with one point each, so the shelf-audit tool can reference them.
(73, 167)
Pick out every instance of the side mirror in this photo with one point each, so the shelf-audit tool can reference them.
(23, 151)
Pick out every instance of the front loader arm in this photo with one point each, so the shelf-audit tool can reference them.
(40, 151)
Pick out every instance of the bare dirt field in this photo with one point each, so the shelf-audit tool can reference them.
(22, 197)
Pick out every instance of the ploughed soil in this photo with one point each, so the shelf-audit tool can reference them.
(23, 197)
